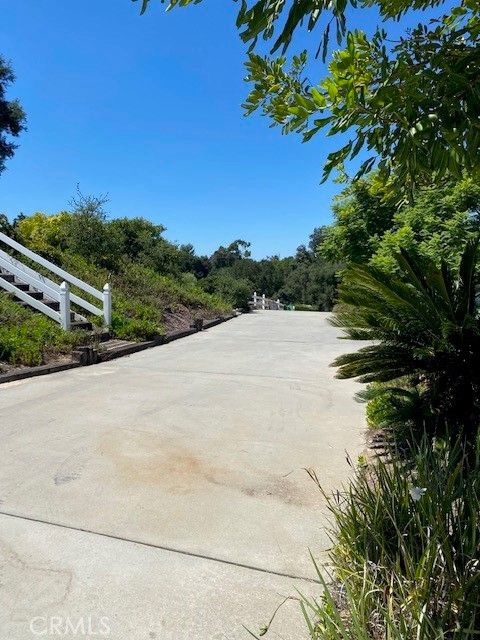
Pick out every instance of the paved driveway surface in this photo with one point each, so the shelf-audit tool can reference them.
(163, 496)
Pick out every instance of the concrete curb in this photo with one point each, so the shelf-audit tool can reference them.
(33, 372)
(113, 354)
(128, 349)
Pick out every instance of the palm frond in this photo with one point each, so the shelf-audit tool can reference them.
(423, 327)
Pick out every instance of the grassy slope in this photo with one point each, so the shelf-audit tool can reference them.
(29, 338)
(145, 304)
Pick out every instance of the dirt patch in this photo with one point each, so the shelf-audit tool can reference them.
(279, 488)
(144, 458)
(178, 316)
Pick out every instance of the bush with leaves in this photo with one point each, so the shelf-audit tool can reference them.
(436, 226)
(406, 551)
(28, 338)
(236, 291)
(424, 329)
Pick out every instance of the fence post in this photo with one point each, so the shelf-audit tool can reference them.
(65, 306)
(107, 305)
(263, 301)
(254, 299)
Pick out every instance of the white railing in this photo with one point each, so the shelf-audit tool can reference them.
(62, 316)
(264, 303)
(58, 293)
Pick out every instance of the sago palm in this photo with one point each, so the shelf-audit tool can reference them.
(424, 330)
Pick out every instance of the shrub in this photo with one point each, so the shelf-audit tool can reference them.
(406, 553)
(132, 320)
(396, 410)
(27, 338)
(141, 296)
(237, 291)
(304, 307)
(425, 338)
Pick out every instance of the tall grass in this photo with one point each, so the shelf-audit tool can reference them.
(28, 338)
(406, 555)
(142, 297)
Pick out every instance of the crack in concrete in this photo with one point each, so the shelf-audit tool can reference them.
(151, 545)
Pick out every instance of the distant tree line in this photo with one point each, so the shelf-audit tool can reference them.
(307, 278)
(368, 228)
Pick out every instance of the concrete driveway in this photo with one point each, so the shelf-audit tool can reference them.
(163, 496)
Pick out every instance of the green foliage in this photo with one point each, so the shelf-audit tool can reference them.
(136, 238)
(44, 234)
(144, 269)
(142, 297)
(12, 116)
(260, 18)
(379, 407)
(236, 291)
(155, 280)
(418, 125)
(87, 231)
(306, 278)
(369, 227)
(437, 226)
(426, 334)
(397, 407)
(27, 338)
(363, 212)
(311, 282)
(413, 105)
(228, 256)
(406, 549)
(133, 320)
(5, 226)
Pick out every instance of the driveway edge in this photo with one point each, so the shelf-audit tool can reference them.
(113, 354)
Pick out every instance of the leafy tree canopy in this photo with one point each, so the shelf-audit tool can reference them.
(437, 227)
(227, 256)
(369, 228)
(271, 19)
(85, 236)
(12, 116)
(412, 105)
(363, 212)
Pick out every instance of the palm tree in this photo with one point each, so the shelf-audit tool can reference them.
(424, 331)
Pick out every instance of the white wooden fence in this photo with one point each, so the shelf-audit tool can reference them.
(52, 291)
(264, 303)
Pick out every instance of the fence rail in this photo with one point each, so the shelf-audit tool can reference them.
(264, 303)
(52, 291)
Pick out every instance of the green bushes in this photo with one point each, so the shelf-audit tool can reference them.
(27, 338)
(142, 297)
(425, 333)
(406, 551)
(148, 276)
(236, 291)
(305, 307)
(87, 236)
(406, 531)
(135, 321)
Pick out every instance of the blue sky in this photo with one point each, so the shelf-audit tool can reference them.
(148, 109)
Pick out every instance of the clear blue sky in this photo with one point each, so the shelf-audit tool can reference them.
(148, 109)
